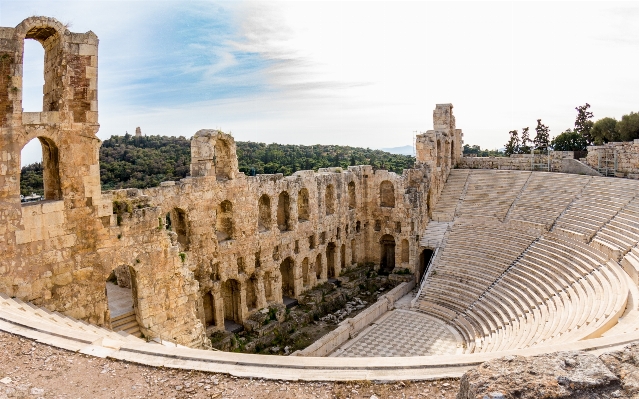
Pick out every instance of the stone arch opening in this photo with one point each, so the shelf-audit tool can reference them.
(330, 259)
(179, 224)
(231, 290)
(269, 292)
(342, 256)
(424, 259)
(44, 175)
(358, 226)
(122, 293)
(251, 293)
(303, 208)
(439, 153)
(222, 159)
(287, 269)
(329, 199)
(405, 251)
(224, 221)
(32, 76)
(284, 211)
(306, 275)
(318, 267)
(208, 305)
(351, 195)
(264, 213)
(353, 252)
(387, 194)
(387, 255)
(50, 93)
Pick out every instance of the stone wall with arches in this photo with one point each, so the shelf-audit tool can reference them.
(212, 248)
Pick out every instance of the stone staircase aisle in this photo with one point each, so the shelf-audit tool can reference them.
(128, 323)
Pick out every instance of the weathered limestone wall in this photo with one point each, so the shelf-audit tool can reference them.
(624, 155)
(210, 248)
(560, 161)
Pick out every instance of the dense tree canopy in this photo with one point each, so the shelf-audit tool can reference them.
(628, 127)
(476, 150)
(605, 130)
(569, 140)
(141, 162)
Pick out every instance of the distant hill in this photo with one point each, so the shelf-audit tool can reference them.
(405, 150)
(141, 162)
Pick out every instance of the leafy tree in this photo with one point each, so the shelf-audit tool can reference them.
(542, 138)
(583, 122)
(31, 179)
(513, 144)
(569, 140)
(605, 130)
(525, 141)
(628, 127)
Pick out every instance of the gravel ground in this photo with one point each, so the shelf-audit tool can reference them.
(32, 370)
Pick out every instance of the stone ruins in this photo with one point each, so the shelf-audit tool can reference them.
(215, 246)
(506, 259)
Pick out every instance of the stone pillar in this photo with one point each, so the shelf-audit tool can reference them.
(259, 291)
(243, 306)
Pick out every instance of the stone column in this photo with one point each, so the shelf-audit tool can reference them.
(218, 306)
(259, 291)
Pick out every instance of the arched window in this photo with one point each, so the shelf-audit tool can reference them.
(179, 224)
(264, 213)
(405, 251)
(303, 212)
(387, 255)
(306, 277)
(222, 159)
(41, 178)
(287, 269)
(224, 222)
(351, 195)
(32, 76)
(284, 211)
(387, 194)
(329, 199)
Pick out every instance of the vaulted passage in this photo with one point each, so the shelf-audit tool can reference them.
(424, 260)
(387, 256)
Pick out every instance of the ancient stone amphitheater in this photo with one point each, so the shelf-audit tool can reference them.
(504, 261)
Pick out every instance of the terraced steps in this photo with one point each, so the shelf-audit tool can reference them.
(126, 322)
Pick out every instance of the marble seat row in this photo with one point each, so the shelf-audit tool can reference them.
(450, 196)
(492, 192)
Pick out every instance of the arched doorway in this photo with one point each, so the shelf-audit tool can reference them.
(330, 259)
(287, 269)
(264, 213)
(208, 303)
(232, 304)
(387, 256)
(424, 260)
(318, 267)
(121, 291)
(284, 211)
(303, 207)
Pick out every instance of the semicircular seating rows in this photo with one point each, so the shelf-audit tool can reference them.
(540, 265)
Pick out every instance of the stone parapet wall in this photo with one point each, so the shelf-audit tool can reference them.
(560, 161)
(350, 327)
(623, 155)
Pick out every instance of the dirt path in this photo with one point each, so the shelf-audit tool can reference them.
(32, 370)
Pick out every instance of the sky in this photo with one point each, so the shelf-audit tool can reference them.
(352, 73)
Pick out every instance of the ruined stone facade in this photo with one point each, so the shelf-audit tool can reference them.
(619, 159)
(215, 246)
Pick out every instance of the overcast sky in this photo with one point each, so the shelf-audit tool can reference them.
(352, 73)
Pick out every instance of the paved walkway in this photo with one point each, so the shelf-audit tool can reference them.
(402, 332)
(120, 299)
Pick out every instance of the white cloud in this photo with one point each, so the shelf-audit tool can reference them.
(355, 73)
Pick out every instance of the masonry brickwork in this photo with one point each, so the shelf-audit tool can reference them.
(211, 248)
